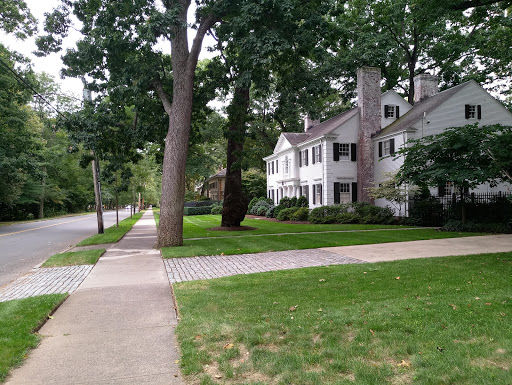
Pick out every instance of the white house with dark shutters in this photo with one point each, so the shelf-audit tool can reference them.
(337, 160)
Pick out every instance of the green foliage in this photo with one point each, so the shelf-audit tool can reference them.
(202, 210)
(346, 218)
(427, 211)
(270, 212)
(459, 226)
(261, 203)
(285, 214)
(285, 202)
(254, 182)
(302, 201)
(301, 214)
(15, 18)
(326, 214)
(277, 210)
(253, 202)
(368, 213)
(216, 209)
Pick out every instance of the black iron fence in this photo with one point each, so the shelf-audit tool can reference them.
(479, 207)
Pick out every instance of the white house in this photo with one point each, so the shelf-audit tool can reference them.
(337, 160)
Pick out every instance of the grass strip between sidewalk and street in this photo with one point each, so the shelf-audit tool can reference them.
(276, 242)
(18, 321)
(73, 258)
(423, 321)
(113, 233)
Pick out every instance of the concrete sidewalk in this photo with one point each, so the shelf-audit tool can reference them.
(117, 327)
(426, 249)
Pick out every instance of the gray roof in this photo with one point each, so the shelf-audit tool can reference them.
(321, 129)
(220, 174)
(416, 113)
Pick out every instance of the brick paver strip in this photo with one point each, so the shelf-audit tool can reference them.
(195, 268)
(47, 280)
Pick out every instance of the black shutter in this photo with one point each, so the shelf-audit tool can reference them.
(307, 157)
(268, 167)
(441, 190)
(314, 193)
(277, 195)
(300, 158)
(386, 111)
(300, 191)
(273, 196)
(336, 192)
(277, 166)
(392, 146)
(467, 111)
(336, 151)
(353, 152)
(380, 149)
(313, 155)
(272, 167)
(321, 197)
(479, 111)
(306, 192)
(320, 153)
(354, 191)
(397, 112)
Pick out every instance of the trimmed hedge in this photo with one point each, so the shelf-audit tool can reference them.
(285, 214)
(203, 210)
(216, 209)
(300, 215)
(354, 213)
(458, 226)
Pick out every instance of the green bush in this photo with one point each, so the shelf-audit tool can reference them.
(262, 210)
(326, 214)
(277, 210)
(458, 226)
(286, 202)
(284, 215)
(203, 210)
(370, 214)
(256, 207)
(270, 212)
(425, 211)
(301, 214)
(252, 203)
(293, 202)
(302, 202)
(216, 209)
(346, 218)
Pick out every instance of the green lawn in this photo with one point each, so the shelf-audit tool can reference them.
(18, 320)
(243, 245)
(73, 258)
(113, 233)
(196, 226)
(423, 321)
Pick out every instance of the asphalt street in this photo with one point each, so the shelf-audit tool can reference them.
(22, 246)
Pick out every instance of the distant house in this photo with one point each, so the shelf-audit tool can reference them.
(215, 186)
(337, 160)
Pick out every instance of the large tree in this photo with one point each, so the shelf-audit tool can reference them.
(119, 50)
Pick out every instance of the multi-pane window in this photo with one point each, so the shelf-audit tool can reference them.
(318, 194)
(317, 153)
(344, 192)
(386, 147)
(471, 111)
(344, 151)
(304, 158)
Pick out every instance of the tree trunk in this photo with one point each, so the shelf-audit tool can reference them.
(235, 204)
(97, 194)
(41, 198)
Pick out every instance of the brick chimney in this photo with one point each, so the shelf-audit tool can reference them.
(368, 101)
(425, 86)
(310, 123)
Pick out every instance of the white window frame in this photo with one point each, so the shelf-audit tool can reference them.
(386, 147)
(303, 157)
(345, 196)
(344, 152)
(449, 188)
(472, 109)
(317, 154)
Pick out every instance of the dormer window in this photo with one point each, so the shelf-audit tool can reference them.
(473, 111)
(391, 111)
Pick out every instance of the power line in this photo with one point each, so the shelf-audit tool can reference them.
(20, 79)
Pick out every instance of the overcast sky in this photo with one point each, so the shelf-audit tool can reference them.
(52, 64)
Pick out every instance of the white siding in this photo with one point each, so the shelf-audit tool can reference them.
(392, 98)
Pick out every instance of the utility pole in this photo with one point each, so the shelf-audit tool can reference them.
(95, 171)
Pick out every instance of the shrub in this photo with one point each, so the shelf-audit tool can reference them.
(326, 214)
(278, 209)
(262, 210)
(368, 213)
(260, 204)
(203, 210)
(293, 202)
(302, 201)
(216, 209)
(346, 218)
(286, 202)
(425, 211)
(252, 203)
(301, 214)
(458, 226)
(270, 212)
(284, 215)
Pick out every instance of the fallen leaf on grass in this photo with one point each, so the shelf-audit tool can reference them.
(321, 280)
(228, 346)
(454, 307)
(320, 310)
(404, 363)
(371, 331)
(397, 278)
(218, 376)
(488, 303)
(177, 361)
(293, 308)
